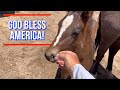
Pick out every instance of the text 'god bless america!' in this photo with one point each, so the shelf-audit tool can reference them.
(27, 30)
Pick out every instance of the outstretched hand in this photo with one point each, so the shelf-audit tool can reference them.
(67, 59)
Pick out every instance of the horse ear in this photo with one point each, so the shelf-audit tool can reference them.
(86, 15)
(79, 12)
(70, 12)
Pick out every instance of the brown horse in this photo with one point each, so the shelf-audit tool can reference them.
(108, 38)
(76, 32)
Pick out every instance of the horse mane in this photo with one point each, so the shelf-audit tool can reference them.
(86, 15)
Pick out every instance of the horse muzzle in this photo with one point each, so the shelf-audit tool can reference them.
(50, 54)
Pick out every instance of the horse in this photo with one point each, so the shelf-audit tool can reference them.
(77, 33)
(108, 38)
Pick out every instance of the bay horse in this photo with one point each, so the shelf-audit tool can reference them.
(77, 33)
(108, 38)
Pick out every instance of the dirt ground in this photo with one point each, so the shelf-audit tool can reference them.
(28, 62)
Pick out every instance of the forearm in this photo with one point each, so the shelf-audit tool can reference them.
(79, 72)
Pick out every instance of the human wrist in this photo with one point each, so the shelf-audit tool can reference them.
(75, 67)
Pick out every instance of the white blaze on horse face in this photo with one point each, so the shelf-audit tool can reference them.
(95, 15)
(66, 23)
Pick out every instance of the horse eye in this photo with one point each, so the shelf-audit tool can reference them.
(76, 32)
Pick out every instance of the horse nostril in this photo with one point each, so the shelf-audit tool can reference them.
(50, 57)
(51, 53)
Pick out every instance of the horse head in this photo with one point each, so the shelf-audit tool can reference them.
(74, 34)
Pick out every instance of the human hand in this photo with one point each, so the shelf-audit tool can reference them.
(67, 59)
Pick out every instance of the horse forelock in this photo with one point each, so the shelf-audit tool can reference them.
(65, 24)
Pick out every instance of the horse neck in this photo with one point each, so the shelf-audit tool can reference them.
(86, 45)
(86, 15)
(85, 51)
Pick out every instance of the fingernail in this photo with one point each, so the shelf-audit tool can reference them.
(56, 58)
(62, 65)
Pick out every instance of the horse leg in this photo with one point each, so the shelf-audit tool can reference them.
(100, 54)
(105, 43)
(64, 74)
(58, 74)
(112, 51)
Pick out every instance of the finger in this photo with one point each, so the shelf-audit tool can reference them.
(61, 56)
(60, 62)
(56, 58)
(62, 67)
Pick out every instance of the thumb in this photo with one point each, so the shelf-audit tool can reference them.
(59, 59)
(60, 56)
